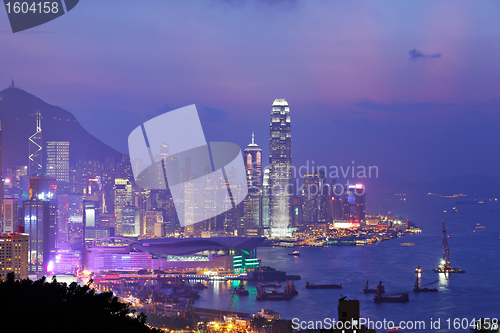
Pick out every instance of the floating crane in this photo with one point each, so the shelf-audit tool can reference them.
(445, 266)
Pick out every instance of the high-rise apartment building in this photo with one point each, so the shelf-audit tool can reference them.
(14, 255)
(280, 168)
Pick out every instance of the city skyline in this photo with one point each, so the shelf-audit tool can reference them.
(411, 86)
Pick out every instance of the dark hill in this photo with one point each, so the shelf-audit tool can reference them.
(17, 114)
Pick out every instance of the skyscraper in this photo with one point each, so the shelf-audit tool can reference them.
(280, 165)
(35, 167)
(123, 198)
(252, 205)
(58, 161)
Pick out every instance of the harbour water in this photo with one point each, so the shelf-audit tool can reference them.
(461, 297)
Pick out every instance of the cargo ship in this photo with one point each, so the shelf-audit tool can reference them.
(418, 288)
(323, 286)
(399, 298)
(368, 290)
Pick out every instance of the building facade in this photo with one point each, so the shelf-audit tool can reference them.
(280, 168)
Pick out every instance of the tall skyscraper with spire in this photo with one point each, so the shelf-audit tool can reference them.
(280, 168)
(35, 167)
(252, 205)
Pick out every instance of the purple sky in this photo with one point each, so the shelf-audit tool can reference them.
(412, 87)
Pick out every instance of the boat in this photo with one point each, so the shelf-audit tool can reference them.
(275, 284)
(272, 295)
(368, 290)
(323, 286)
(418, 270)
(418, 288)
(241, 290)
(199, 285)
(395, 298)
(406, 244)
(294, 253)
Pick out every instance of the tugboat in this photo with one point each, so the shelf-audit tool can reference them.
(373, 290)
(323, 286)
(399, 298)
(418, 288)
(294, 253)
(241, 290)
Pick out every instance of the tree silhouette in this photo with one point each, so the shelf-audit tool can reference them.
(36, 305)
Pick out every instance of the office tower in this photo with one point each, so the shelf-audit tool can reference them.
(265, 199)
(310, 191)
(151, 218)
(280, 163)
(35, 167)
(123, 198)
(69, 218)
(252, 205)
(14, 255)
(10, 210)
(354, 204)
(57, 164)
(41, 230)
(130, 221)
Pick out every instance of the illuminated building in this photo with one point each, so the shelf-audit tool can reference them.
(40, 222)
(92, 233)
(314, 197)
(151, 218)
(69, 221)
(354, 204)
(13, 182)
(123, 198)
(57, 164)
(222, 254)
(130, 221)
(41, 228)
(42, 188)
(66, 262)
(35, 167)
(252, 205)
(10, 215)
(280, 163)
(14, 255)
(265, 199)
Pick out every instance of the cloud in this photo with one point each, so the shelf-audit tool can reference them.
(416, 54)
